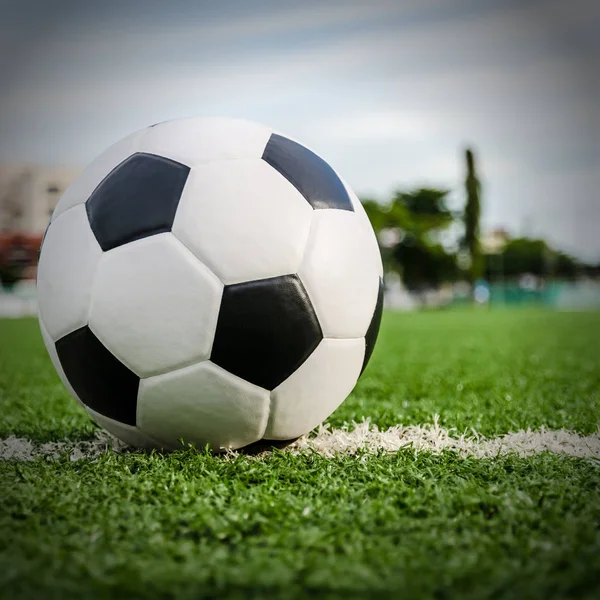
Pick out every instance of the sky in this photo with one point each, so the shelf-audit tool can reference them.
(389, 92)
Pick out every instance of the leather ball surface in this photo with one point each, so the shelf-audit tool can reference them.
(212, 280)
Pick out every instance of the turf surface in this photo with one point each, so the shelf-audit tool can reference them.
(190, 525)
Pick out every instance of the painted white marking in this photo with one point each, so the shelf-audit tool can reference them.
(359, 438)
(434, 438)
(22, 449)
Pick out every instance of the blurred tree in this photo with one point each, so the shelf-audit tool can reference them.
(525, 255)
(18, 257)
(424, 266)
(566, 266)
(471, 218)
(418, 211)
(591, 270)
(377, 213)
(414, 219)
(421, 211)
(15, 256)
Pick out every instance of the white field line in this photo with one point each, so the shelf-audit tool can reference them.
(22, 449)
(433, 438)
(361, 437)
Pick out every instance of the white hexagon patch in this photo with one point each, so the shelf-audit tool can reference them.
(155, 305)
(203, 404)
(243, 219)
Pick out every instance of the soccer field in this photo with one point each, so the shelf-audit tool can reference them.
(447, 506)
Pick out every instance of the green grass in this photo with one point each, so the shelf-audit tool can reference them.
(493, 371)
(191, 525)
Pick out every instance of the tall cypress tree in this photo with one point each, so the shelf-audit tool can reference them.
(472, 215)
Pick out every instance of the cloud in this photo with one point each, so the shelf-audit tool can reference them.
(389, 92)
(431, 66)
(377, 125)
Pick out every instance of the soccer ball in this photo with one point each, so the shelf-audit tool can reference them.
(211, 281)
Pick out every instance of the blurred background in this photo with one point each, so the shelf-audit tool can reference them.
(470, 129)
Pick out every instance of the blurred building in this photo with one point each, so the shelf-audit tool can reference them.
(29, 194)
(494, 241)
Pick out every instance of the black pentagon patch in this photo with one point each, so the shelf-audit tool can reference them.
(138, 198)
(373, 330)
(308, 173)
(266, 330)
(100, 380)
